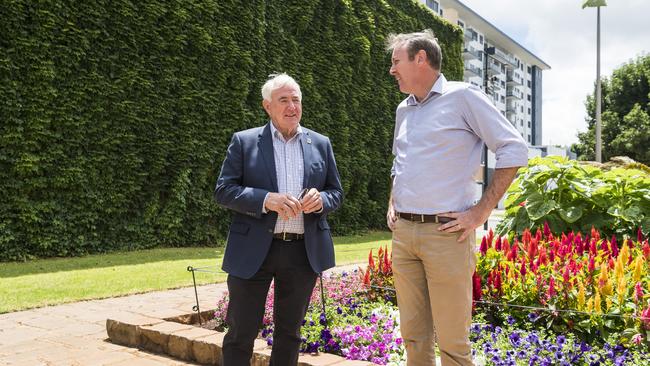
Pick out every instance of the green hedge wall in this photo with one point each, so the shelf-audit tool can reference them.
(115, 115)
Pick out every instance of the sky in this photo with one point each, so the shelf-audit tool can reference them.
(563, 35)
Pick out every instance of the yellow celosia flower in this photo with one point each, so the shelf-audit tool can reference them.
(638, 268)
(618, 268)
(624, 254)
(608, 303)
(607, 288)
(590, 304)
(597, 308)
(581, 296)
(621, 289)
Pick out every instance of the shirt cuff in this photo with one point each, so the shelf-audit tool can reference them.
(264, 203)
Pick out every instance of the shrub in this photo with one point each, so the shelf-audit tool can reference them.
(569, 196)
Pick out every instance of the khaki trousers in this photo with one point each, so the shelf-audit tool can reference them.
(433, 279)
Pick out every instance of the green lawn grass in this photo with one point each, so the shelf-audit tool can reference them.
(60, 280)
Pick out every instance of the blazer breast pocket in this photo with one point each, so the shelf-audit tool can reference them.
(317, 166)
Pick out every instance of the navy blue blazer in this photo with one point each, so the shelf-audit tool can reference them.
(248, 174)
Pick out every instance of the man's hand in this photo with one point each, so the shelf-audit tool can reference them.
(391, 215)
(312, 201)
(286, 205)
(467, 221)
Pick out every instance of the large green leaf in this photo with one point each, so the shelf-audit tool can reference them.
(570, 214)
(537, 207)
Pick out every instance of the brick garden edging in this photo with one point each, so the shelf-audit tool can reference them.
(177, 337)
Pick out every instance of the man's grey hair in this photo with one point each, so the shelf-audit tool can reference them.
(415, 42)
(277, 81)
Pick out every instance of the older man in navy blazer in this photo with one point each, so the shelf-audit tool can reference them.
(280, 180)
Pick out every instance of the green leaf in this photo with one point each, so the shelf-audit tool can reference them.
(570, 214)
(539, 208)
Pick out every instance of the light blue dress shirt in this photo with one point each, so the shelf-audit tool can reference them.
(437, 147)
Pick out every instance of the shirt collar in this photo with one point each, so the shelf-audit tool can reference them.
(437, 88)
(276, 133)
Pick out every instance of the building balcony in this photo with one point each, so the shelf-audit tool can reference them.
(470, 34)
(471, 71)
(514, 79)
(514, 94)
(470, 53)
(507, 59)
(493, 69)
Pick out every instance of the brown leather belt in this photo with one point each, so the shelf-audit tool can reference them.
(425, 218)
(288, 236)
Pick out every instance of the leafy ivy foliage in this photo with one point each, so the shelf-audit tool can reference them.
(574, 197)
(115, 115)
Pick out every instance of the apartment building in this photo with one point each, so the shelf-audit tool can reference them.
(508, 73)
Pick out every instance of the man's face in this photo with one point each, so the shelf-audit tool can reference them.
(284, 108)
(404, 70)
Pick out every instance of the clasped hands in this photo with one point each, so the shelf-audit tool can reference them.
(288, 206)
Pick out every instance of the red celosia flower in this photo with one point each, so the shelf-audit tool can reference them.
(614, 246)
(594, 233)
(505, 246)
(476, 287)
(547, 230)
(490, 237)
(371, 261)
(638, 293)
(645, 318)
(483, 248)
(592, 264)
(522, 268)
(639, 235)
(646, 249)
(551, 288)
(497, 244)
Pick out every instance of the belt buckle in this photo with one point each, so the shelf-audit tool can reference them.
(284, 236)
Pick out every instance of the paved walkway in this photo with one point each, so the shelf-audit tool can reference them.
(75, 334)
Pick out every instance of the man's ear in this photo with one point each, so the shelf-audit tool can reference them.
(421, 57)
(266, 104)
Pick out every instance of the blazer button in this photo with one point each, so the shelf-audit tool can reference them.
(271, 230)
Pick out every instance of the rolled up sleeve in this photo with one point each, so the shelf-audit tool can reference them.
(494, 129)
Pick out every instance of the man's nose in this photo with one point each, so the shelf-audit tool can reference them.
(391, 70)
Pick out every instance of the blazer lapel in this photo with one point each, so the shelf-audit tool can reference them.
(305, 141)
(265, 144)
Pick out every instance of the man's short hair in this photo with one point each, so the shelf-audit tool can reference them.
(277, 81)
(415, 42)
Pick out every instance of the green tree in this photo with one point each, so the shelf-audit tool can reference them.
(625, 117)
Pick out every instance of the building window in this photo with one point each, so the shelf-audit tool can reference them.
(528, 124)
(528, 138)
(480, 39)
(530, 70)
(528, 97)
(521, 109)
(529, 85)
(529, 111)
(433, 5)
(521, 122)
(503, 100)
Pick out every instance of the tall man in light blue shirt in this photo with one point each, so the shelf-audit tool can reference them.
(440, 129)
